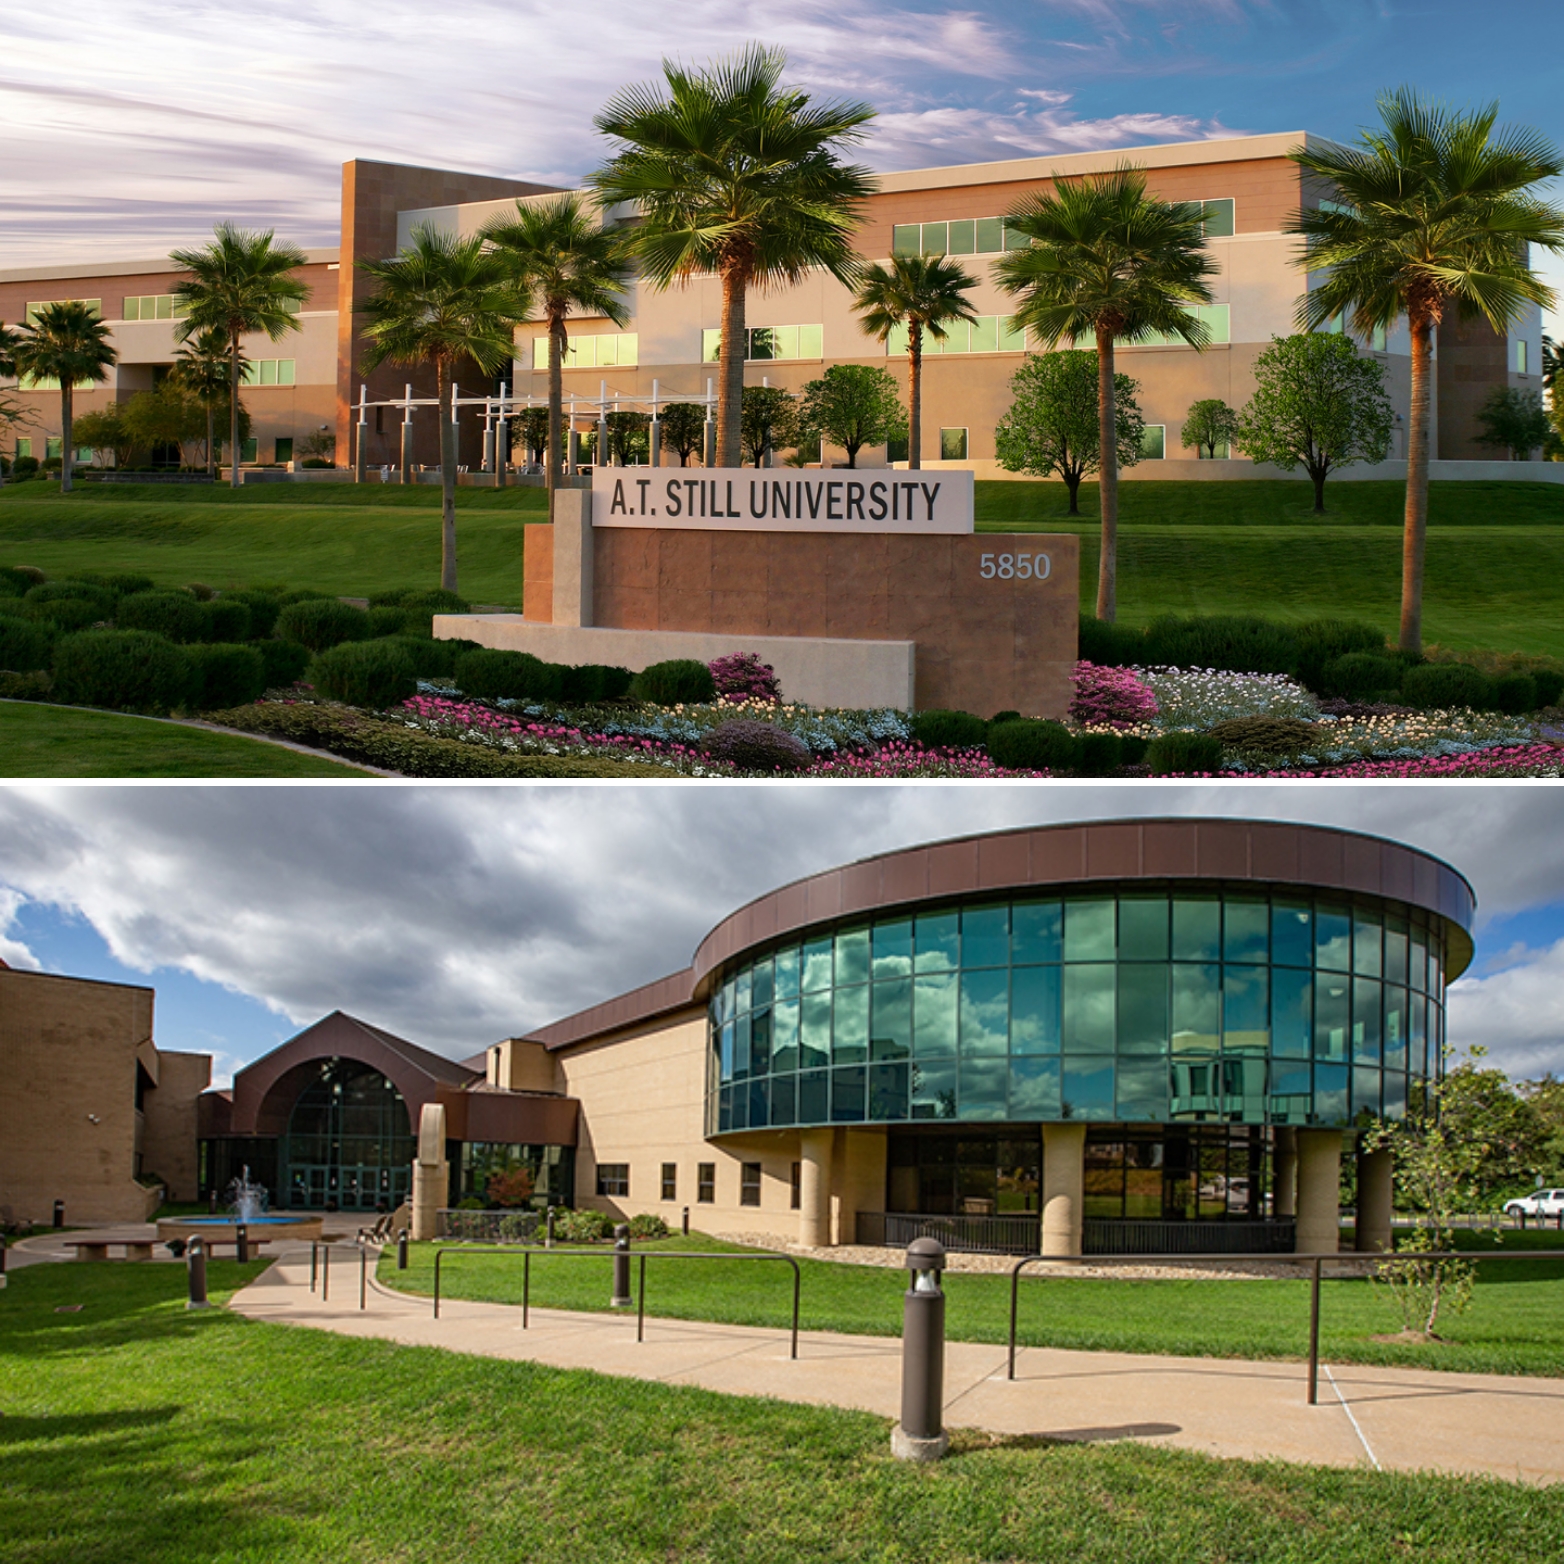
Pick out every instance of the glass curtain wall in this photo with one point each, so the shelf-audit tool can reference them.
(350, 1143)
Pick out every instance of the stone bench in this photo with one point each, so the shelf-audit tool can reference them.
(98, 1248)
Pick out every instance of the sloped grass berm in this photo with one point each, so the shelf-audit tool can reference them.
(134, 1430)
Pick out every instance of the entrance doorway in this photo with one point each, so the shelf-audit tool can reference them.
(350, 1143)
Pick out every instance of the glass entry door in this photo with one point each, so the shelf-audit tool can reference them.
(350, 1144)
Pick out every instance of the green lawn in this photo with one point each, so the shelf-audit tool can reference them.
(134, 1430)
(56, 741)
(1515, 1324)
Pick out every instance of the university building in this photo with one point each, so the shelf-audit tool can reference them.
(310, 381)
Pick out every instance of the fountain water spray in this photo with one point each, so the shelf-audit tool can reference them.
(247, 1200)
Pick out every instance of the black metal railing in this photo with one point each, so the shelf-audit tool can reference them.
(643, 1255)
(1156, 1236)
(960, 1234)
(488, 1227)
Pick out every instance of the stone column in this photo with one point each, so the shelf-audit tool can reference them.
(1284, 1172)
(861, 1181)
(407, 450)
(573, 557)
(431, 1173)
(814, 1215)
(654, 443)
(1375, 1201)
(1064, 1182)
(1319, 1191)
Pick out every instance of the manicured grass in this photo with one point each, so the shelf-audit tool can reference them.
(1515, 1324)
(136, 1431)
(55, 741)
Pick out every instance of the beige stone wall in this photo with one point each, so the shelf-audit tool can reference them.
(169, 1138)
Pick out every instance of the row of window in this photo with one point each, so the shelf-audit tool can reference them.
(986, 334)
(269, 372)
(30, 314)
(765, 343)
(609, 350)
(990, 235)
(141, 306)
(613, 1182)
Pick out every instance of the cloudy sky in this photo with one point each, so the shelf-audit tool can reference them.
(131, 125)
(454, 915)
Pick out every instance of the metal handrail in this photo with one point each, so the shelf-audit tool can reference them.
(1315, 1262)
(510, 1251)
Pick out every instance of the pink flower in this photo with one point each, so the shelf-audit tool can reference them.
(1112, 696)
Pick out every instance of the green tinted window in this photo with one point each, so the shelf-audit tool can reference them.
(852, 956)
(815, 1029)
(1395, 1031)
(985, 937)
(1034, 1088)
(936, 939)
(784, 1035)
(1291, 1012)
(1143, 928)
(1088, 930)
(1367, 943)
(1395, 950)
(985, 334)
(1365, 1019)
(1292, 934)
(1332, 939)
(1035, 932)
(985, 1012)
(990, 235)
(1034, 1010)
(1088, 1089)
(1218, 219)
(1332, 1004)
(850, 1027)
(906, 239)
(893, 948)
(1246, 1009)
(1142, 1092)
(984, 1088)
(934, 238)
(1245, 925)
(816, 966)
(963, 237)
(1197, 929)
(890, 1035)
(1088, 1008)
(761, 983)
(934, 1089)
(1143, 1009)
(934, 1014)
(787, 971)
(1197, 1000)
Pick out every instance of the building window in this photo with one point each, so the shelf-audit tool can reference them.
(284, 449)
(1217, 218)
(749, 1184)
(1377, 339)
(1520, 357)
(95, 306)
(268, 372)
(24, 447)
(51, 447)
(795, 1175)
(1217, 320)
(611, 350)
(670, 1181)
(613, 1178)
(953, 445)
(769, 342)
(706, 1182)
(1154, 443)
(156, 306)
(964, 236)
(986, 334)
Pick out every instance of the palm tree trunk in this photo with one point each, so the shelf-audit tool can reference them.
(67, 418)
(1415, 528)
(211, 454)
(557, 343)
(915, 395)
(233, 411)
(447, 480)
(1108, 469)
(730, 369)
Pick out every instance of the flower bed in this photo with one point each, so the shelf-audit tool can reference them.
(1515, 760)
(1203, 697)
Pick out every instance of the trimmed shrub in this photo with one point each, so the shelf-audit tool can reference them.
(285, 662)
(200, 591)
(1515, 693)
(429, 600)
(756, 746)
(1321, 641)
(1099, 754)
(1358, 676)
(35, 686)
(1004, 716)
(489, 674)
(1232, 643)
(65, 613)
(1265, 735)
(1034, 744)
(431, 659)
(1132, 750)
(264, 608)
(122, 585)
(1444, 685)
(583, 1227)
(743, 676)
(1182, 754)
(19, 580)
(939, 729)
(680, 681)
(590, 683)
(647, 1224)
(226, 620)
(372, 674)
(322, 622)
(25, 644)
(176, 615)
(225, 674)
(394, 621)
(127, 670)
(1111, 695)
(24, 467)
(100, 597)
(1550, 685)
(1109, 645)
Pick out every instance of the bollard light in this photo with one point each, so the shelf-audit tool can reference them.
(211, 1201)
(59, 1213)
(684, 1224)
(548, 1228)
(621, 1298)
(401, 1250)
(241, 1243)
(195, 1264)
(921, 1436)
(2, 1259)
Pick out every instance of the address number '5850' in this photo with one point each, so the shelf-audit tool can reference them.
(1015, 567)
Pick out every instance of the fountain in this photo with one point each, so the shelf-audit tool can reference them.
(247, 1209)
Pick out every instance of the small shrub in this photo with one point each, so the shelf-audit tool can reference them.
(489, 674)
(1111, 695)
(1098, 754)
(24, 467)
(122, 585)
(590, 683)
(1109, 645)
(1034, 744)
(1445, 685)
(1265, 735)
(264, 608)
(1515, 693)
(647, 1224)
(429, 600)
(1232, 643)
(756, 746)
(1132, 750)
(1004, 716)
(64, 613)
(25, 644)
(372, 674)
(35, 686)
(175, 615)
(940, 729)
(583, 1227)
(1181, 754)
(285, 662)
(509, 1188)
(680, 681)
(1357, 676)
(431, 659)
(1321, 641)
(200, 591)
(101, 597)
(225, 675)
(227, 620)
(390, 621)
(322, 622)
(743, 676)
(19, 580)
(1550, 685)
(127, 670)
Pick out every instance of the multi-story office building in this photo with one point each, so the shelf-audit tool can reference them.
(1246, 185)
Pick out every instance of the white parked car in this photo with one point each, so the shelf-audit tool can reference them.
(1544, 1202)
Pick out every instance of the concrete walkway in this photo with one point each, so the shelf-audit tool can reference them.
(1395, 1419)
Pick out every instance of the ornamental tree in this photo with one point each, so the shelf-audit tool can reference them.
(529, 430)
(1515, 421)
(769, 421)
(1318, 403)
(1053, 426)
(1208, 424)
(683, 429)
(65, 342)
(854, 405)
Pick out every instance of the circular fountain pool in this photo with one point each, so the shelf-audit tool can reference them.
(221, 1229)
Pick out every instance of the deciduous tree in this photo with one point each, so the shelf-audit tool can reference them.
(1209, 423)
(853, 405)
(1514, 420)
(770, 421)
(683, 429)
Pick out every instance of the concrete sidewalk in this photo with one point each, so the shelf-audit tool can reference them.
(1396, 1419)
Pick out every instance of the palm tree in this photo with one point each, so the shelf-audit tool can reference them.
(735, 174)
(443, 300)
(10, 412)
(240, 282)
(921, 293)
(67, 342)
(568, 262)
(202, 367)
(1107, 261)
(1433, 213)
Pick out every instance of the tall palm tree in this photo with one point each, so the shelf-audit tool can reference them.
(239, 282)
(202, 367)
(1110, 262)
(735, 174)
(443, 300)
(10, 412)
(922, 293)
(67, 342)
(569, 261)
(1434, 213)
